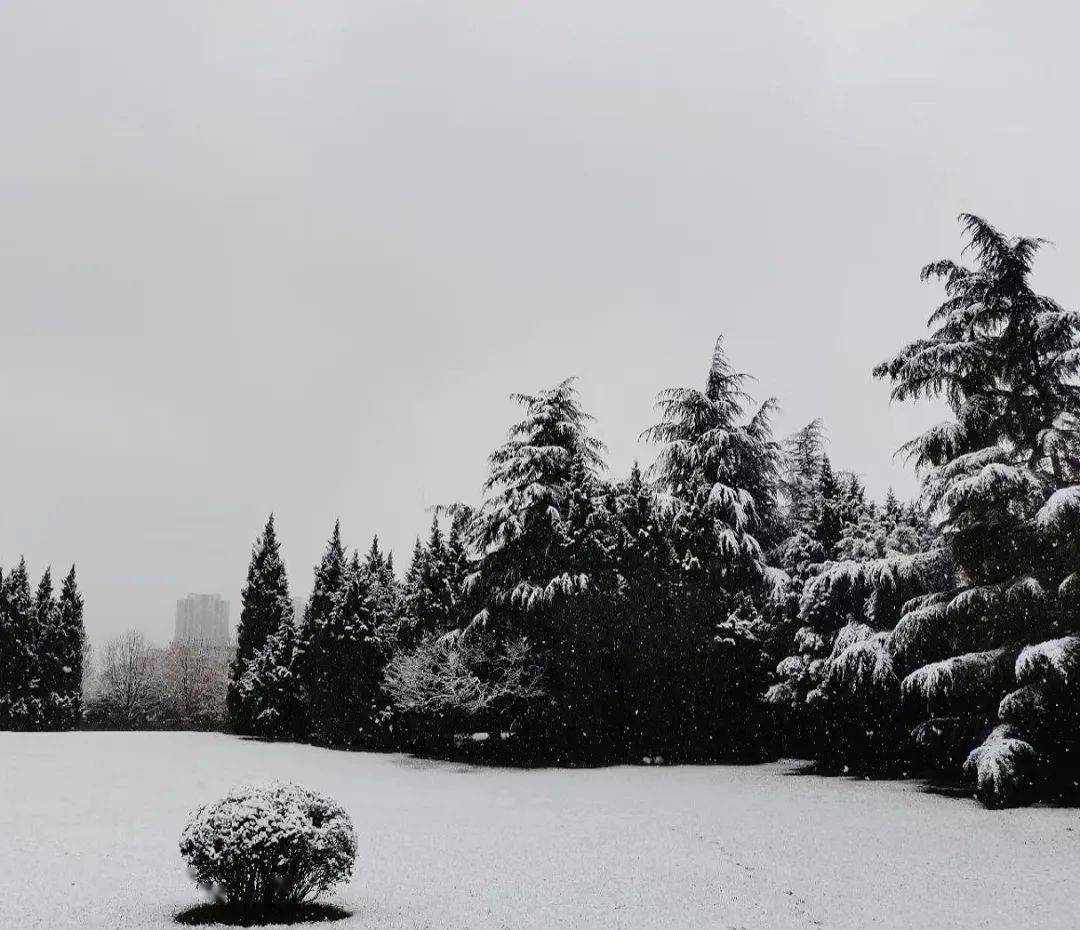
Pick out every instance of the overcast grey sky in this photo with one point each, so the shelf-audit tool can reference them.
(295, 256)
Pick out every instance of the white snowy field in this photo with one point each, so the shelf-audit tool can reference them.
(89, 824)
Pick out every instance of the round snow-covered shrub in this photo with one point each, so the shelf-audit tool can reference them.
(269, 845)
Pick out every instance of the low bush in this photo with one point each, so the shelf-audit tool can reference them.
(269, 846)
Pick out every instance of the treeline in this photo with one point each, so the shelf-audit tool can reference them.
(41, 652)
(741, 598)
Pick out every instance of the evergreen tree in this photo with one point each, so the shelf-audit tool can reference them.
(649, 641)
(269, 690)
(802, 461)
(347, 660)
(385, 593)
(48, 694)
(70, 640)
(535, 575)
(312, 654)
(722, 473)
(429, 596)
(18, 652)
(329, 581)
(1003, 475)
(827, 523)
(459, 565)
(529, 488)
(266, 609)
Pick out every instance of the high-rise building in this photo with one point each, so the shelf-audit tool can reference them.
(203, 618)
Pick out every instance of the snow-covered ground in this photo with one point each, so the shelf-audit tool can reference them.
(89, 824)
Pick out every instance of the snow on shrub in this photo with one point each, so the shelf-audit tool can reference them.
(269, 845)
(1004, 770)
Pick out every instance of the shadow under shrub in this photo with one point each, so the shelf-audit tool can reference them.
(268, 848)
(217, 915)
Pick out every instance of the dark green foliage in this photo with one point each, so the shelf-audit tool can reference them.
(345, 659)
(266, 612)
(269, 691)
(41, 644)
(311, 654)
(67, 644)
(642, 619)
(1003, 476)
(19, 662)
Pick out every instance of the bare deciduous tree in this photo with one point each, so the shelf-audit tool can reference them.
(128, 682)
(196, 676)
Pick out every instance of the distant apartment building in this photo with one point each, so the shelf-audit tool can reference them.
(202, 618)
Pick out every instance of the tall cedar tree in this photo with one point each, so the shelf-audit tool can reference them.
(648, 643)
(721, 470)
(535, 575)
(1003, 475)
(266, 609)
(802, 457)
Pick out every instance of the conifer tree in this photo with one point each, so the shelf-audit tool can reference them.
(528, 489)
(459, 565)
(803, 458)
(429, 594)
(528, 579)
(48, 695)
(311, 653)
(266, 609)
(1003, 475)
(18, 651)
(722, 472)
(827, 522)
(70, 640)
(347, 659)
(648, 640)
(385, 594)
(269, 690)
(329, 581)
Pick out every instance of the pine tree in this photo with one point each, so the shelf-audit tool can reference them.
(329, 581)
(530, 580)
(312, 653)
(648, 640)
(48, 692)
(70, 642)
(722, 473)
(827, 523)
(1003, 475)
(347, 658)
(459, 565)
(428, 596)
(269, 690)
(18, 652)
(528, 491)
(385, 593)
(803, 458)
(266, 609)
